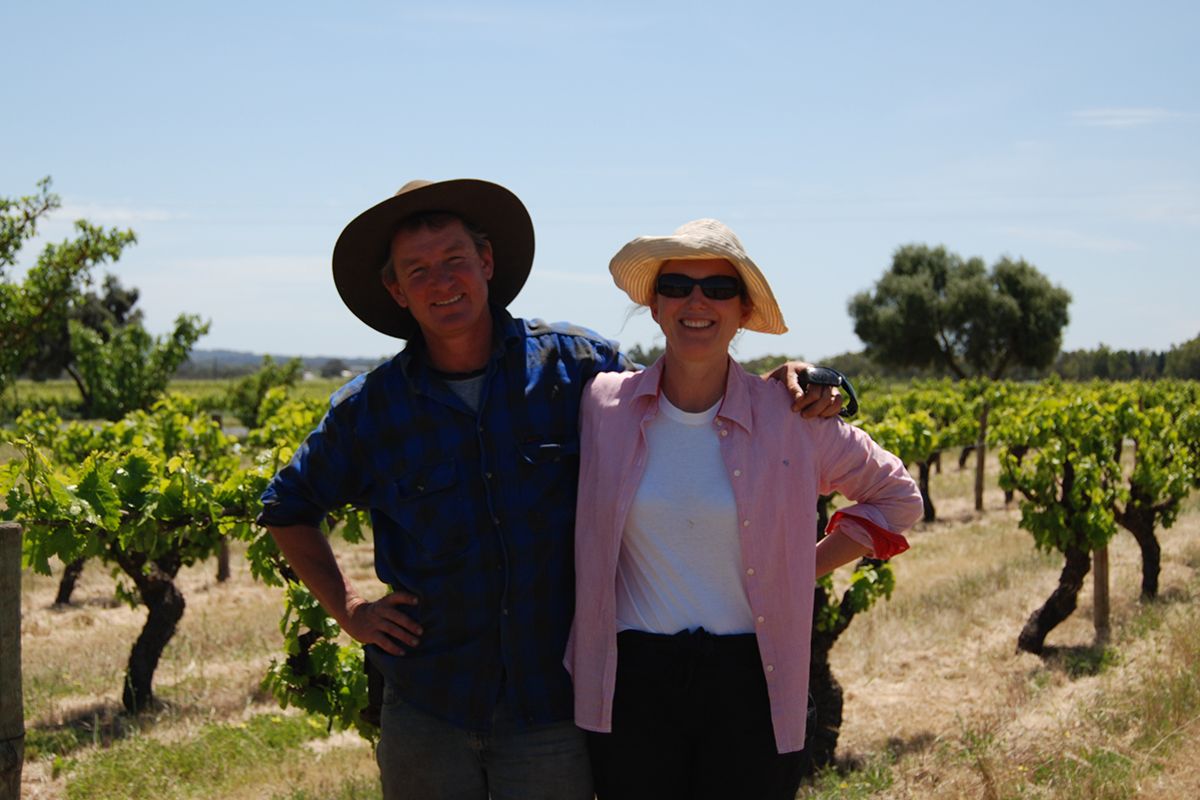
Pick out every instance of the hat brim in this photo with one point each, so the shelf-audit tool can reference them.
(635, 269)
(364, 247)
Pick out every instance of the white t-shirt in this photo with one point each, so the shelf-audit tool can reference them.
(680, 566)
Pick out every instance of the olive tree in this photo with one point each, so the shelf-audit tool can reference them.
(933, 308)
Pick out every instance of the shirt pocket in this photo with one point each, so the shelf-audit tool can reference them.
(550, 451)
(427, 503)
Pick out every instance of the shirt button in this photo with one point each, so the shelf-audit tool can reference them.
(737, 473)
(750, 571)
(745, 523)
(770, 667)
(487, 475)
(495, 520)
(724, 432)
(762, 619)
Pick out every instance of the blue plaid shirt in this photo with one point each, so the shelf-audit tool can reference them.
(472, 512)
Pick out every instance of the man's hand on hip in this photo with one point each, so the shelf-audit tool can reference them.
(382, 623)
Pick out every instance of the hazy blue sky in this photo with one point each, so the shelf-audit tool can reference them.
(237, 139)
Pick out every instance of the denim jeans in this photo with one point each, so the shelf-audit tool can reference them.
(424, 758)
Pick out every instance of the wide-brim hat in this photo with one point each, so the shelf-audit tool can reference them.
(635, 267)
(365, 246)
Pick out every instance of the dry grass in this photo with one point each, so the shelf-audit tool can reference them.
(938, 703)
(73, 661)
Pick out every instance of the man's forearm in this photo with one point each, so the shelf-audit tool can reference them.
(309, 554)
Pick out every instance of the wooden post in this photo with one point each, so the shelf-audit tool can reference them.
(12, 712)
(1100, 594)
(981, 455)
(223, 561)
(223, 548)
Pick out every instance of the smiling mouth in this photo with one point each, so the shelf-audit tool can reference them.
(451, 301)
(696, 323)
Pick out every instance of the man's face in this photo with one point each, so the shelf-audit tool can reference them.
(441, 278)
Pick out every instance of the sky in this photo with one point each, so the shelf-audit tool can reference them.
(238, 139)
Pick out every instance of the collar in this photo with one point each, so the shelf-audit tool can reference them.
(506, 330)
(735, 405)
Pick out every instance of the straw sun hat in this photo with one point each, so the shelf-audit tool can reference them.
(365, 246)
(635, 267)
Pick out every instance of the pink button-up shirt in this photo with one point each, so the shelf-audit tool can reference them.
(778, 463)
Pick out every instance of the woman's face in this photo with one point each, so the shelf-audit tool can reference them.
(699, 327)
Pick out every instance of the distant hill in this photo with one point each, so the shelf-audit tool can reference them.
(227, 363)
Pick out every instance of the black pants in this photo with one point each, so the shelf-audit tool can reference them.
(691, 719)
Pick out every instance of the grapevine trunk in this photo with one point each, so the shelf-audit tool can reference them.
(156, 586)
(66, 585)
(1059, 605)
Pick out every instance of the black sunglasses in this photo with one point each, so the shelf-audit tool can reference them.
(714, 287)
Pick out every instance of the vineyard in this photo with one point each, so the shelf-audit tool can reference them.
(995, 669)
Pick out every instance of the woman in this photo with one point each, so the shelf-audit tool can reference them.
(695, 548)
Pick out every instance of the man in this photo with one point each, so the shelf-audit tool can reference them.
(464, 448)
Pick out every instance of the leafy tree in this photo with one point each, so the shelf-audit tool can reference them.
(125, 369)
(245, 398)
(1184, 361)
(765, 364)
(1070, 481)
(1165, 434)
(98, 312)
(50, 323)
(333, 368)
(916, 425)
(934, 308)
(149, 494)
(1108, 364)
(646, 356)
(37, 309)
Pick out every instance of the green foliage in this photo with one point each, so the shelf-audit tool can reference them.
(319, 674)
(37, 309)
(1090, 661)
(100, 313)
(123, 369)
(49, 322)
(871, 581)
(155, 482)
(766, 364)
(909, 436)
(1166, 456)
(152, 492)
(1184, 361)
(246, 397)
(1070, 478)
(645, 355)
(168, 484)
(933, 308)
(1107, 364)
